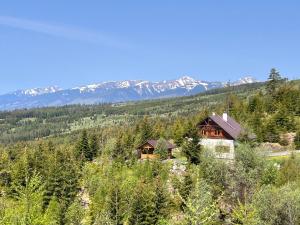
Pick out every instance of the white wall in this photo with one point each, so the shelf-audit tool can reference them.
(212, 143)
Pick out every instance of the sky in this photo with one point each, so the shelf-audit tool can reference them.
(71, 43)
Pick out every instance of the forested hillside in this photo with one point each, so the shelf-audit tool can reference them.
(78, 164)
(22, 125)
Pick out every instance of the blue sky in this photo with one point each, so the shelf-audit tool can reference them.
(69, 43)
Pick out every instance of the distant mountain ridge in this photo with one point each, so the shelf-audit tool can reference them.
(110, 92)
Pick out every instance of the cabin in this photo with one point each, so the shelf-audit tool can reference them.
(146, 150)
(219, 134)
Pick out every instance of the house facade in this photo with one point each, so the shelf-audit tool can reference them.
(219, 133)
(146, 150)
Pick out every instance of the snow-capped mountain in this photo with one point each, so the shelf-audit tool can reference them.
(141, 86)
(37, 91)
(245, 80)
(112, 91)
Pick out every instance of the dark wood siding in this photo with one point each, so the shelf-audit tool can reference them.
(209, 129)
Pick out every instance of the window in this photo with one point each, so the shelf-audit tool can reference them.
(218, 132)
(222, 149)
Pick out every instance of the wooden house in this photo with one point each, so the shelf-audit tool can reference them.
(146, 150)
(219, 133)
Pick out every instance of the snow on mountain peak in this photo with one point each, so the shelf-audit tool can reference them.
(38, 91)
(140, 86)
(187, 82)
(187, 78)
(246, 80)
(111, 91)
(124, 84)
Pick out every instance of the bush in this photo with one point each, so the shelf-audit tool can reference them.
(283, 142)
(162, 149)
(222, 149)
(297, 140)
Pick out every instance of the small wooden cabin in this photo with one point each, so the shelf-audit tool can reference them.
(146, 150)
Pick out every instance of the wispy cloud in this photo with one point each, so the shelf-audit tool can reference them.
(67, 32)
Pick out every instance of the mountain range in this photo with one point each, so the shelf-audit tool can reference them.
(110, 92)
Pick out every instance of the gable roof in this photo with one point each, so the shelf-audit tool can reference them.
(153, 143)
(231, 127)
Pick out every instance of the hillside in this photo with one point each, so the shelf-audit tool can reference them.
(30, 124)
(79, 164)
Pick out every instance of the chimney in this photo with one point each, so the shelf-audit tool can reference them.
(225, 116)
(213, 113)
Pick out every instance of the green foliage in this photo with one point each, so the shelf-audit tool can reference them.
(75, 214)
(162, 149)
(248, 172)
(94, 146)
(200, 207)
(215, 173)
(143, 206)
(245, 214)
(297, 140)
(186, 187)
(273, 81)
(116, 204)
(270, 173)
(62, 178)
(278, 205)
(24, 125)
(161, 199)
(191, 147)
(290, 170)
(144, 131)
(53, 214)
(93, 177)
(27, 209)
(178, 132)
(83, 150)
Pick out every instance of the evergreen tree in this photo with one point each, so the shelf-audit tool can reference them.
(162, 149)
(255, 104)
(283, 121)
(93, 145)
(128, 145)
(116, 204)
(62, 179)
(255, 122)
(186, 188)
(161, 200)
(118, 152)
(29, 208)
(83, 149)
(191, 147)
(143, 206)
(75, 214)
(52, 214)
(145, 131)
(273, 81)
(270, 131)
(178, 132)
